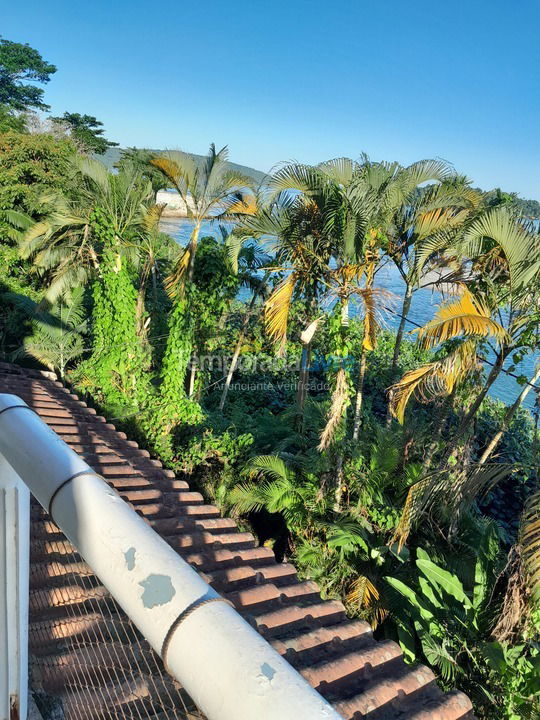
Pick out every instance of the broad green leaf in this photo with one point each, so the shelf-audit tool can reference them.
(406, 641)
(445, 580)
(411, 596)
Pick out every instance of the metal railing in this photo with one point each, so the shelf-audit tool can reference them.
(225, 666)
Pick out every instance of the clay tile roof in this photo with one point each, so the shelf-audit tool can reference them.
(363, 679)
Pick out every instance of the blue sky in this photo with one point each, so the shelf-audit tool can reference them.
(281, 80)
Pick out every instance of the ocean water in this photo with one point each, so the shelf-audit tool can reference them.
(424, 305)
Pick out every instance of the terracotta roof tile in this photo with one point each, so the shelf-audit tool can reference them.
(363, 678)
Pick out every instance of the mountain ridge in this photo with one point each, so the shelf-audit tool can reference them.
(112, 155)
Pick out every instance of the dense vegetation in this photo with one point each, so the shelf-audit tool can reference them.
(256, 361)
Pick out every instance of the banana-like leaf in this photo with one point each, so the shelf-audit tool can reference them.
(445, 580)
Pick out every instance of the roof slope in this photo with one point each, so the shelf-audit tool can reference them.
(364, 679)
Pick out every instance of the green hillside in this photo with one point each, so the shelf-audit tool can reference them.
(112, 156)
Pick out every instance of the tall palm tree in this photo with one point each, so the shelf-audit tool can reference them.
(89, 237)
(379, 193)
(209, 191)
(423, 226)
(293, 222)
(246, 262)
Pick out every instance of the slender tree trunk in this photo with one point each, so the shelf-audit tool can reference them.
(471, 413)
(237, 349)
(359, 394)
(141, 295)
(338, 494)
(509, 414)
(154, 284)
(192, 376)
(193, 241)
(405, 309)
(303, 382)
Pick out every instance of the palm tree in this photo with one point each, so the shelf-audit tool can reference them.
(209, 191)
(245, 261)
(293, 224)
(63, 246)
(424, 225)
(89, 237)
(149, 248)
(467, 319)
(393, 192)
(505, 307)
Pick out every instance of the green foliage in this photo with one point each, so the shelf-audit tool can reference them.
(116, 371)
(139, 160)
(446, 623)
(31, 166)
(57, 334)
(413, 541)
(515, 673)
(20, 67)
(10, 120)
(86, 131)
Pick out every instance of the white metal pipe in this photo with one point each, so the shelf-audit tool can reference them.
(14, 575)
(229, 670)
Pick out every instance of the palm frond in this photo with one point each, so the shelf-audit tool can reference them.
(434, 379)
(519, 246)
(530, 543)
(276, 310)
(271, 466)
(466, 316)
(340, 400)
(174, 283)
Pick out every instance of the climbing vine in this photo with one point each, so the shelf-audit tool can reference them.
(116, 368)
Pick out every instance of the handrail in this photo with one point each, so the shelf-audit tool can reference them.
(228, 669)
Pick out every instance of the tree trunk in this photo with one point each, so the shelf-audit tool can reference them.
(237, 349)
(407, 300)
(509, 414)
(154, 284)
(471, 413)
(141, 296)
(303, 382)
(192, 247)
(192, 375)
(359, 395)
(338, 494)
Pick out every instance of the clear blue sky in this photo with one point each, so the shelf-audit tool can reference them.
(305, 80)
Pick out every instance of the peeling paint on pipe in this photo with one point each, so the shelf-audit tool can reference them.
(229, 670)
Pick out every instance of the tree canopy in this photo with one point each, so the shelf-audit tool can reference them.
(86, 130)
(20, 67)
